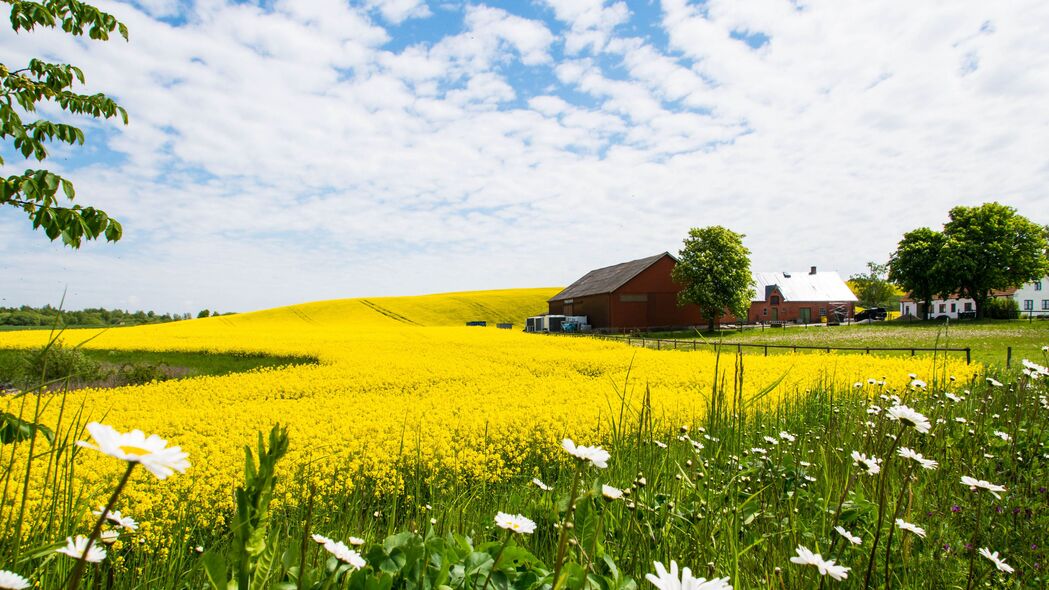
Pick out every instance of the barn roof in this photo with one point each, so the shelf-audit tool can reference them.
(607, 279)
(802, 286)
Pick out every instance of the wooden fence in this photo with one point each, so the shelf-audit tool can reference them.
(693, 344)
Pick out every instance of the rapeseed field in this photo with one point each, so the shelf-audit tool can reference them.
(403, 388)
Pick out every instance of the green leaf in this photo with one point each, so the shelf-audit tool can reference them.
(215, 569)
(13, 429)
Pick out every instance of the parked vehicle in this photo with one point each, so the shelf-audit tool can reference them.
(873, 314)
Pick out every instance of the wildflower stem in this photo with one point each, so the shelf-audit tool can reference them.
(495, 563)
(972, 544)
(78, 569)
(882, 485)
(892, 529)
(562, 543)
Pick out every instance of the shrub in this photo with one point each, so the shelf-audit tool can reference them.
(142, 373)
(58, 362)
(1002, 309)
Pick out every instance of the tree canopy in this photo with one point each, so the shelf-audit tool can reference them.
(991, 247)
(22, 89)
(980, 250)
(872, 288)
(713, 269)
(915, 266)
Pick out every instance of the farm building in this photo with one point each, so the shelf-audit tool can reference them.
(800, 297)
(642, 294)
(1032, 298)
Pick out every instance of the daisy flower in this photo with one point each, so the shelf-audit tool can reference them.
(539, 484)
(596, 455)
(994, 382)
(851, 537)
(357, 541)
(75, 548)
(907, 453)
(515, 522)
(115, 517)
(906, 526)
(12, 581)
(998, 562)
(909, 417)
(665, 580)
(1002, 435)
(871, 464)
(152, 452)
(345, 554)
(952, 397)
(108, 537)
(975, 484)
(826, 567)
(321, 539)
(611, 493)
(787, 436)
(918, 383)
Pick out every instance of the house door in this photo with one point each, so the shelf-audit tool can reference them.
(806, 315)
(775, 314)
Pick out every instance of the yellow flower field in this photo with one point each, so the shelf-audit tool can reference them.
(402, 382)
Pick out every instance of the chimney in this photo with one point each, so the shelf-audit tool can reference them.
(812, 270)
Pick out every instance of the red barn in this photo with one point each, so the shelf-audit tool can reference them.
(635, 294)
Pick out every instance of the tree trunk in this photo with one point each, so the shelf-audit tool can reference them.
(979, 302)
(925, 310)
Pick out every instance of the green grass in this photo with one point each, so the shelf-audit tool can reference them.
(184, 364)
(989, 339)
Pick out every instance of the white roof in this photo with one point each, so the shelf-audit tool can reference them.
(802, 286)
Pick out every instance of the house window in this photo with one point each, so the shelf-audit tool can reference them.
(1038, 285)
(775, 300)
(954, 307)
(943, 308)
(765, 311)
(635, 298)
(968, 306)
(1028, 304)
(1045, 304)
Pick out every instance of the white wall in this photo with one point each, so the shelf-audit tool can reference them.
(1037, 292)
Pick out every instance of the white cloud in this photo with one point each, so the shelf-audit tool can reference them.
(398, 11)
(288, 153)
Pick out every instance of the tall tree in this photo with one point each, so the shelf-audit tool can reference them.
(36, 191)
(916, 266)
(713, 269)
(872, 288)
(992, 247)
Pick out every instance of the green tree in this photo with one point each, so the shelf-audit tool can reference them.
(36, 191)
(872, 288)
(992, 247)
(916, 266)
(203, 314)
(713, 269)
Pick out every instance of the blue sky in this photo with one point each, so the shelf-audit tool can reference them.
(289, 151)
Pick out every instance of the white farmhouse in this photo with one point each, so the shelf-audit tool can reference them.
(1032, 299)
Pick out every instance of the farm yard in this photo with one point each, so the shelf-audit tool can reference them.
(412, 424)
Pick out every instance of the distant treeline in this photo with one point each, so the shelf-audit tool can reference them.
(49, 316)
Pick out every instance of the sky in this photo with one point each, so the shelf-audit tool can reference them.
(296, 150)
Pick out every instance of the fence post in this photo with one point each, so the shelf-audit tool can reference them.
(693, 345)
(912, 352)
(739, 349)
(1008, 356)
(659, 344)
(766, 350)
(968, 355)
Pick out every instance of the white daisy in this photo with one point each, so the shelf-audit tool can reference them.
(994, 382)
(907, 453)
(515, 522)
(12, 581)
(871, 464)
(345, 554)
(952, 397)
(825, 567)
(75, 548)
(596, 455)
(321, 539)
(539, 484)
(108, 537)
(975, 484)
(1002, 435)
(665, 580)
(115, 517)
(998, 562)
(357, 541)
(851, 537)
(906, 526)
(152, 452)
(918, 383)
(611, 493)
(787, 436)
(909, 417)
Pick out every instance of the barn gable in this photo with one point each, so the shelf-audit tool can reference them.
(607, 279)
